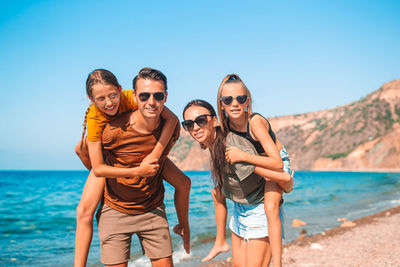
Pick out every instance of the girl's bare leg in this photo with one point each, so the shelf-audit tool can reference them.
(238, 251)
(91, 195)
(258, 252)
(220, 244)
(175, 177)
(253, 252)
(272, 198)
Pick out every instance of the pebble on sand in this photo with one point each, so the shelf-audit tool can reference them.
(348, 224)
(316, 246)
(297, 223)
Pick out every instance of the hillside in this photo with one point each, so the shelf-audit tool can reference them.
(358, 136)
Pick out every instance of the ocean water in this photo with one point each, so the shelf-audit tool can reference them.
(37, 212)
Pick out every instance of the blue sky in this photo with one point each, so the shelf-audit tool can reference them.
(295, 57)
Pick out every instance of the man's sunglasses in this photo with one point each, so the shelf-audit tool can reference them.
(201, 121)
(241, 99)
(159, 96)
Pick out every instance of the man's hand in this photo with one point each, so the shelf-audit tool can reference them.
(149, 167)
(234, 154)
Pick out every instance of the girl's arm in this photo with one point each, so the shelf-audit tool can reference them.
(260, 129)
(100, 169)
(168, 129)
(149, 165)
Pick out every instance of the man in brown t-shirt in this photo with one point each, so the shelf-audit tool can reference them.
(135, 204)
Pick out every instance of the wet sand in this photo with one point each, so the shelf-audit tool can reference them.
(373, 241)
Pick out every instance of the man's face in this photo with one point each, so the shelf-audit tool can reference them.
(150, 97)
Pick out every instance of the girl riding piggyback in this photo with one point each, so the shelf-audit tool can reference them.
(108, 101)
(236, 116)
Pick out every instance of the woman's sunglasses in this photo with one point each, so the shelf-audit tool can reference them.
(159, 96)
(241, 99)
(201, 121)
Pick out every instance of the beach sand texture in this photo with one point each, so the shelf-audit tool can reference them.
(373, 241)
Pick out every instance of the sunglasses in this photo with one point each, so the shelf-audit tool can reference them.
(241, 99)
(201, 121)
(159, 96)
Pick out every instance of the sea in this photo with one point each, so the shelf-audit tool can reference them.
(38, 212)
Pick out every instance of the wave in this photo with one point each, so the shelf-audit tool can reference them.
(177, 257)
(373, 208)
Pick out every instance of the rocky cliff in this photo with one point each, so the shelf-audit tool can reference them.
(363, 135)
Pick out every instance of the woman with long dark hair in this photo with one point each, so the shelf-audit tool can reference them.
(241, 182)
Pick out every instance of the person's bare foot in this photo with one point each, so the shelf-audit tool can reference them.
(287, 187)
(185, 234)
(217, 249)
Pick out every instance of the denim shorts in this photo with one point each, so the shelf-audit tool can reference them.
(286, 161)
(250, 221)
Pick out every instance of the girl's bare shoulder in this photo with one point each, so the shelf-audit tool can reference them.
(257, 120)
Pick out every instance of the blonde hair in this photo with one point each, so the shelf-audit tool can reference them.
(231, 78)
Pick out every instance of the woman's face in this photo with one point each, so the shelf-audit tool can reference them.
(232, 98)
(106, 97)
(204, 134)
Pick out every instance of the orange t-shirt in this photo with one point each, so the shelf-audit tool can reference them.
(97, 119)
(126, 147)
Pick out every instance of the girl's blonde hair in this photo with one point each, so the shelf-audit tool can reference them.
(223, 119)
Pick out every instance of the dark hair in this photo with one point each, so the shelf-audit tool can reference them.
(217, 151)
(150, 74)
(98, 76)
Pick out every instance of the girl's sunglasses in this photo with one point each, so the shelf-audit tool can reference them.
(241, 99)
(159, 96)
(201, 121)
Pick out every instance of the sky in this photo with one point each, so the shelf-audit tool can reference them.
(294, 56)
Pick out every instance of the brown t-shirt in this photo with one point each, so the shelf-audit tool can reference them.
(126, 147)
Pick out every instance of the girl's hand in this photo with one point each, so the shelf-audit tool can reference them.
(148, 167)
(234, 154)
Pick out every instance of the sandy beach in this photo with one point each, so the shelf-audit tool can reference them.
(373, 241)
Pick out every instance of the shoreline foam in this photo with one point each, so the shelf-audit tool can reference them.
(373, 241)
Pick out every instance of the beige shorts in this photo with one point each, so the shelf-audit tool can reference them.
(116, 229)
